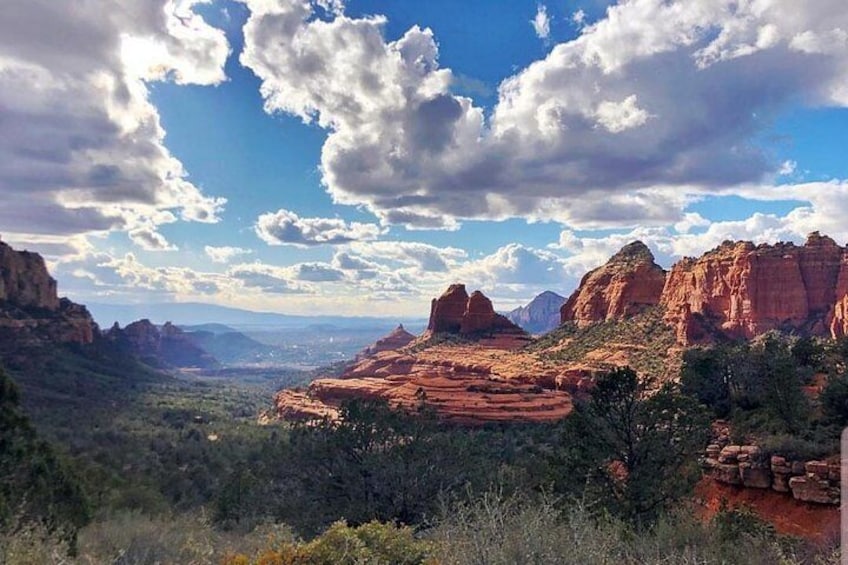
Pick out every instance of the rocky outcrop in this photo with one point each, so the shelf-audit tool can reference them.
(397, 339)
(165, 347)
(746, 466)
(24, 280)
(540, 315)
(31, 312)
(457, 313)
(629, 283)
(742, 290)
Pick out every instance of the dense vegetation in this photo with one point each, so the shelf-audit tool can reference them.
(177, 469)
(789, 394)
(648, 357)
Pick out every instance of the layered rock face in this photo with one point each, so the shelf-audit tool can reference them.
(744, 465)
(469, 384)
(397, 339)
(540, 315)
(626, 285)
(485, 379)
(456, 312)
(743, 290)
(168, 346)
(31, 312)
(737, 290)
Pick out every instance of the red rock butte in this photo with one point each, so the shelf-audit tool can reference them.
(456, 312)
(396, 339)
(626, 285)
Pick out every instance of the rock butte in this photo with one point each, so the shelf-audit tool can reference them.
(626, 285)
(738, 290)
(457, 313)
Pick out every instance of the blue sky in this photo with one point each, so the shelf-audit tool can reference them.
(356, 157)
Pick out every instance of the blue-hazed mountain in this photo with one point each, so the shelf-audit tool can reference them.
(231, 347)
(193, 313)
(540, 315)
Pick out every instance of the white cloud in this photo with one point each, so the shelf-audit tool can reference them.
(287, 228)
(224, 254)
(541, 22)
(579, 17)
(81, 146)
(620, 116)
(656, 98)
(422, 256)
(787, 168)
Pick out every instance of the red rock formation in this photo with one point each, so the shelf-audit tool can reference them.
(456, 312)
(744, 290)
(31, 313)
(487, 380)
(447, 310)
(627, 284)
(24, 280)
(469, 393)
(397, 339)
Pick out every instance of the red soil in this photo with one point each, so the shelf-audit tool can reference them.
(814, 522)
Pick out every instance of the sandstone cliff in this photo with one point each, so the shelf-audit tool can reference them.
(627, 284)
(31, 312)
(540, 315)
(485, 379)
(736, 290)
(742, 290)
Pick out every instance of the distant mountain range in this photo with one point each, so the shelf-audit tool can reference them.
(539, 316)
(194, 314)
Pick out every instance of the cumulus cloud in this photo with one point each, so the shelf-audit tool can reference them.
(287, 228)
(514, 264)
(81, 146)
(541, 22)
(593, 135)
(423, 256)
(224, 254)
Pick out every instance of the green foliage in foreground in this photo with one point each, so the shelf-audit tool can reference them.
(36, 487)
(636, 453)
(492, 529)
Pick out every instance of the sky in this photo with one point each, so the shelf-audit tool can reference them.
(356, 157)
